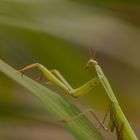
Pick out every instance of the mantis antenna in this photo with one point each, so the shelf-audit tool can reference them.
(92, 53)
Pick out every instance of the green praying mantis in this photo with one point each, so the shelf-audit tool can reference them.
(117, 119)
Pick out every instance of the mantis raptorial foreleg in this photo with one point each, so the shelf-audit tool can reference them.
(47, 74)
(61, 78)
(56, 78)
(58, 75)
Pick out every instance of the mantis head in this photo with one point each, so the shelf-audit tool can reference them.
(91, 63)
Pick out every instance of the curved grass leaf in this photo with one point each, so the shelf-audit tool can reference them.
(81, 128)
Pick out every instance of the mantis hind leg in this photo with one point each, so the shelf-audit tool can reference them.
(119, 127)
(90, 110)
(120, 132)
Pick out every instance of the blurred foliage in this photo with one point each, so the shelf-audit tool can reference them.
(56, 33)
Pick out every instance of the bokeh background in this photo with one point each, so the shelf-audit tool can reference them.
(57, 33)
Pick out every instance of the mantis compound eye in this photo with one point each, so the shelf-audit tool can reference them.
(96, 83)
(86, 67)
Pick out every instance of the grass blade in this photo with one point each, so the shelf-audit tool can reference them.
(81, 128)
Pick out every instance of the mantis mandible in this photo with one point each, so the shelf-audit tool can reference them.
(117, 121)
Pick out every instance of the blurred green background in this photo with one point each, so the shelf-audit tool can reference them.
(57, 34)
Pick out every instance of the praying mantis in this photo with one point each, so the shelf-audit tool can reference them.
(117, 120)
